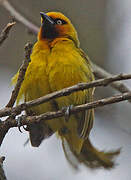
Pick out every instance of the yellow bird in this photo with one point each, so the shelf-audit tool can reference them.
(57, 62)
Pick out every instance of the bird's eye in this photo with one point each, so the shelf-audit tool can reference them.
(59, 22)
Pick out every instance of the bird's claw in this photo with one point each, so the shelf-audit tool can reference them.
(25, 128)
(19, 119)
(67, 112)
(19, 123)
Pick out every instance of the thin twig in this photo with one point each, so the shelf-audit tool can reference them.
(5, 32)
(28, 120)
(64, 92)
(83, 107)
(33, 28)
(22, 71)
(101, 73)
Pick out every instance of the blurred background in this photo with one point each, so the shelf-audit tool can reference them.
(104, 29)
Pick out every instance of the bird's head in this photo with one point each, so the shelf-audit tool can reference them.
(56, 25)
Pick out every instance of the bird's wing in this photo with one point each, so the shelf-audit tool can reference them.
(86, 118)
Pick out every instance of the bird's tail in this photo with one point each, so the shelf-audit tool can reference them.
(93, 158)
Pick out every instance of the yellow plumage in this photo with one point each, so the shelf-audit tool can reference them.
(56, 63)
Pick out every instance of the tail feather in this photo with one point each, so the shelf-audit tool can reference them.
(93, 158)
(72, 160)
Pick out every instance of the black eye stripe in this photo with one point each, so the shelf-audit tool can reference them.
(57, 19)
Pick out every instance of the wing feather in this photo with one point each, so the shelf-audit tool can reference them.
(86, 120)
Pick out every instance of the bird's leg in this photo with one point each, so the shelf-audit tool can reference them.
(67, 112)
(28, 112)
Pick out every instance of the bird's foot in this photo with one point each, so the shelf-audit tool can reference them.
(67, 112)
(19, 119)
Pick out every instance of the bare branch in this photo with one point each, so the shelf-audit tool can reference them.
(28, 120)
(33, 28)
(4, 34)
(101, 73)
(22, 71)
(64, 92)
(83, 107)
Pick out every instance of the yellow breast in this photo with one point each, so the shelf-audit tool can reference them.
(52, 69)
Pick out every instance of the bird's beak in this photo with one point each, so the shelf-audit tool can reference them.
(46, 18)
(48, 30)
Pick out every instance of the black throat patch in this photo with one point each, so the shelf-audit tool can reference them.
(49, 31)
